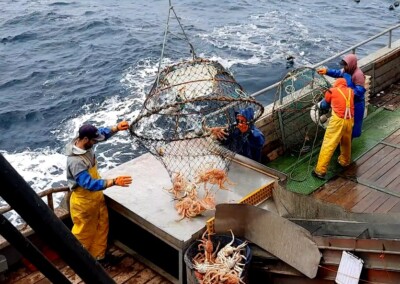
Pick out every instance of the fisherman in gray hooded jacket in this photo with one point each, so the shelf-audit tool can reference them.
(87, 205)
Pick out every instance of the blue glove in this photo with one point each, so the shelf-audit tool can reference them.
(323, 104)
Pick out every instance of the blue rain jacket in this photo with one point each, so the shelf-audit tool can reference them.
(359, 99)
(248, 144)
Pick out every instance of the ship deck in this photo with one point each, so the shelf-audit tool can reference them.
(127, 269)
(370, 184)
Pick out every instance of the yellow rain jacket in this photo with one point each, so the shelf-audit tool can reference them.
(340, 126)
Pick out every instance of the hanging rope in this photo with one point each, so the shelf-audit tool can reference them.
(171, 8)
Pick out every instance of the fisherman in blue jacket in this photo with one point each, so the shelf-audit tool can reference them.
(355, 79)
(243, 137)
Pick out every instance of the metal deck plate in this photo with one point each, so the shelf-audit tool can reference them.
(147, 203)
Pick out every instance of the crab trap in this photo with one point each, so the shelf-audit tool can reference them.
(186, 101)
(298, 122)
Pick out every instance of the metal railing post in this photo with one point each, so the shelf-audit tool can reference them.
(350, 49)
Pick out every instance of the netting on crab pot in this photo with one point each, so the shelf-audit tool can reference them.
(186, 101)
(295, 125)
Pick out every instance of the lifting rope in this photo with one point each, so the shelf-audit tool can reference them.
(171, 8)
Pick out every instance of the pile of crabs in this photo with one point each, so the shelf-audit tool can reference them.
(219, 266)
(188, 202)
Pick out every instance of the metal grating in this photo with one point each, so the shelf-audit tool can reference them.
(254, 198)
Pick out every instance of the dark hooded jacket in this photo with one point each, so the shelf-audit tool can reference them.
(248, 144)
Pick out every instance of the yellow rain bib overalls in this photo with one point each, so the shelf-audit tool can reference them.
(90, 217)
(338, 131)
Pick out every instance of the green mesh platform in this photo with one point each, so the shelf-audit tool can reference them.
(378, 125)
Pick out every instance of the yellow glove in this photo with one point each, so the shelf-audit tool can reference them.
(123, 125)
(322, 71)
(123, 181)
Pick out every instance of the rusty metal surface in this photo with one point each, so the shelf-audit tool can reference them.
(287, 241)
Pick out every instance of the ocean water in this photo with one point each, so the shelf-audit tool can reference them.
(63, 63)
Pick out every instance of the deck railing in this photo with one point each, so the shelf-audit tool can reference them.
(48, 193)
(350, 49)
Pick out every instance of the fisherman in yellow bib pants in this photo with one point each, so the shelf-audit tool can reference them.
(340, 127)
(87, 205)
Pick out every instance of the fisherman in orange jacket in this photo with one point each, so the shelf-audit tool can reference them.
(340, 126)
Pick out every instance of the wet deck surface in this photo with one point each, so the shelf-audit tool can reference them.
(125, 270)
(372, 182)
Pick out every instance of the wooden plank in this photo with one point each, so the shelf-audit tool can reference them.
(358, 192)
(395, 209)
(12, 276)
(382, 166)
(395, 184)
(391, 174)
(71, 275)
(60, 264)
(144, 276)
(388, 59)
(38, 277)
(377, 203)
(372, 160)
(159, 280)
(387, 79)
(388, 205)
(382, 99)
(44, 281)
(328, 188)
(389, 177)
(367, 201)
(112, 270)
(386, 70)
(31, 278)
(340, 192)
(128, 268)
(354, 167)
(361, 192)
(394, 138)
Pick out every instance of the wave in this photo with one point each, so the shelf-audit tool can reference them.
(23, 37)
(61, 3)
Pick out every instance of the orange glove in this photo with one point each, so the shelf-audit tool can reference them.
(322, 71)
(123, 125)
(123, 181)
(219, 133)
